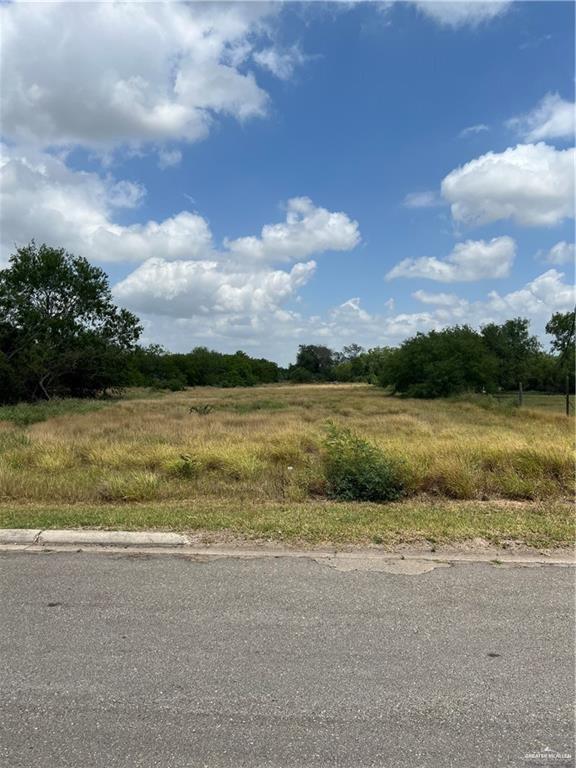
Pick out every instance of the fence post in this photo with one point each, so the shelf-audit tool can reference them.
(520, 394)
(567, 395)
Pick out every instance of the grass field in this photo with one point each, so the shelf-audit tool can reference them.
(254, 465)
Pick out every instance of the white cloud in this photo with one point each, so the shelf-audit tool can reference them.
(545, 294)
(186, 289)
(167, 158)
(469, 261)
(438, 299)
(280, 63)
(536, 300)
(552, 118)
(210, 293)
(390, 305)
(106, 74)
(427, 199)
(561, 253)
(531, 184)
(307, 230)
(473, 130)
(42, 198)
(461, 13)
(276, 332)
(351, 309)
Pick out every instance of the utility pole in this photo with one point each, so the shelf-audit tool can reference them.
(520, 394)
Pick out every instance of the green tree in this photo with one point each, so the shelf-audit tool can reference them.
(61, 334)
(562, 327)
(514, 348)
(316, 359)
(440, 363)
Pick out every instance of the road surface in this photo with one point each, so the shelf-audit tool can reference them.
(118, 660)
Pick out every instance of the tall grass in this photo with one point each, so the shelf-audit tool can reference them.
(24, 414)
(266, 444)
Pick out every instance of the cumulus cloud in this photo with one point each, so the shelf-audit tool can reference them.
(531, 184)
(536, 300)
(186, 289)
(307, 229)
(276, 332)
(41, 197)
(232, 292)
(469, 261)
(106, 74)
(552, 118)
(561, 253)
(545, 294)
(461, 13)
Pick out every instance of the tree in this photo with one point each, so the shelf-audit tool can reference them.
(514, 348)
(562, 327)
(440, 363)
(352, 351)
(61, 333)
(315, 359)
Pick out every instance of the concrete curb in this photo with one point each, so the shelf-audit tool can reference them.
(82, 537)
(19, 535)
(155, 542)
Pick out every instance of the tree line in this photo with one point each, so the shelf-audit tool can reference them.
(454, 360)
(61, 335)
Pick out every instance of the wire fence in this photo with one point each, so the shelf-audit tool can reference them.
(549, 401)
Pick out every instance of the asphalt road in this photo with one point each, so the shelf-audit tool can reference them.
(116, 660)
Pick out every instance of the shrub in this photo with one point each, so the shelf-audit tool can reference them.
(356, 470)
(186, 467)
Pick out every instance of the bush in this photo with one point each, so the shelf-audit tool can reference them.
(356, 470)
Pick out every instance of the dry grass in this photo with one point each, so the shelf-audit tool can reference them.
(262, 448)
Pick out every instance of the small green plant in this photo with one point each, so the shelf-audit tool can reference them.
(202, 409)
(186, 466)
(357, 470)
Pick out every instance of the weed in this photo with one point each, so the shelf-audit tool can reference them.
(186, 466)
(356, 470)
(202, 409)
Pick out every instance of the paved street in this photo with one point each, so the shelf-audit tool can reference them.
(118, 660)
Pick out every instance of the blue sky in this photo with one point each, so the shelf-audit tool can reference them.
(426, 149)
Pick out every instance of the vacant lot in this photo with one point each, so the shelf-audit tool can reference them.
(251, 461)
